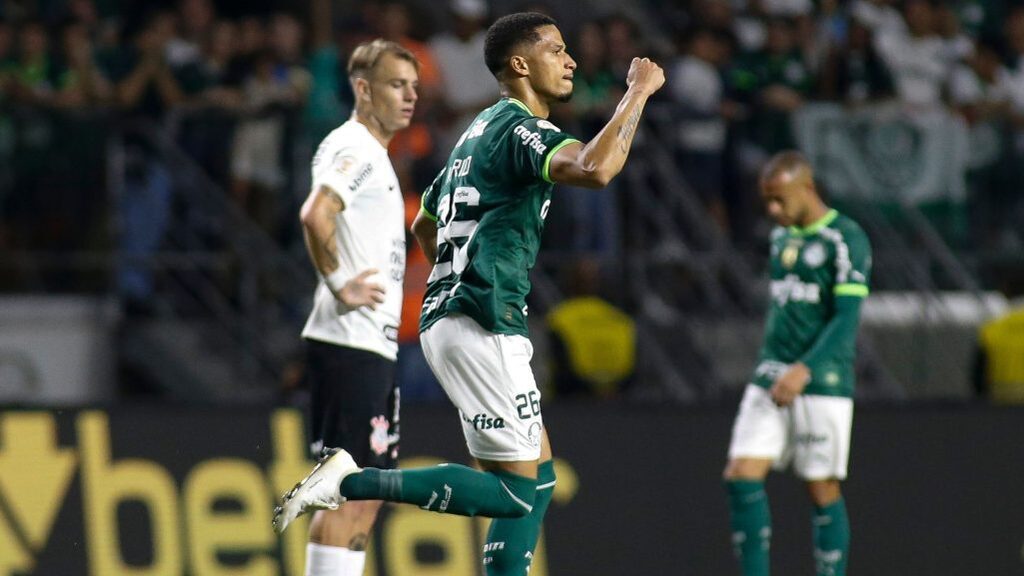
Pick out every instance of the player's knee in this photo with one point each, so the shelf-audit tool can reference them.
(520, 494)
(824, 492)
(746, 469)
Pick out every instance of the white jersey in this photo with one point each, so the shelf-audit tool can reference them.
(370, 233)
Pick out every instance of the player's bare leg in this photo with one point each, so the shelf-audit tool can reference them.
(342, 534)
(511, 541)
(751, 517)
(831, 527)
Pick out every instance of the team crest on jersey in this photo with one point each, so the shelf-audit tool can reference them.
(344, 164)
(789, 255)
(547, 125)
(379, 438)
(814, 255)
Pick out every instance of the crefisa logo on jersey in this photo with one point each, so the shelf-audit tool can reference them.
(530, 139)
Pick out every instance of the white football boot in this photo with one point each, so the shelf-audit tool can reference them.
(320, 490)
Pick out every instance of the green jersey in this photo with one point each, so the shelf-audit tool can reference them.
(490, 201)
(819, 276)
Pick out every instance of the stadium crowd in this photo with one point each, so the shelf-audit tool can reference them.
(237, 89)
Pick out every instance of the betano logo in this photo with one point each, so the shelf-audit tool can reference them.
(190, 530)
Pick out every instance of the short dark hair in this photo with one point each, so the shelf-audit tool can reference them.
(509, 31)
(783, 162)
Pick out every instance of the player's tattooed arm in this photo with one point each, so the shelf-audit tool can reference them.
(626, 131)
(594, 165)
(318, 227)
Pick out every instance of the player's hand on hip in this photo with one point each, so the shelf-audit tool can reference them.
(363, 290)
(645, 75)
(790, 384)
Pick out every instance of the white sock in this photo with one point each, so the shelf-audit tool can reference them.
(323, 560)
(354, 563)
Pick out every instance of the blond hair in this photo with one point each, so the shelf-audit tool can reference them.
(366, 56)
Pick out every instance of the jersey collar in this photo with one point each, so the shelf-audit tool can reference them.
(815, 227)
(520, 104)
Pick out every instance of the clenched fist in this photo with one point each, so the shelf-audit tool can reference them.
(645, 75)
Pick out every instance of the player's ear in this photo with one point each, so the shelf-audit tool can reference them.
(361, 89)
(519, 66)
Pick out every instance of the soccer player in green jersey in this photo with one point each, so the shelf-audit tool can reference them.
(798, 408)
(481, 224)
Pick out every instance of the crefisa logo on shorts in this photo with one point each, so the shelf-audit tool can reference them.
(485, 422)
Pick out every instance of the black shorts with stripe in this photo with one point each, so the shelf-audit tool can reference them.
(354, 403)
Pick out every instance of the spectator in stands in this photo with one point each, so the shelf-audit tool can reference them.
(698, 92)
(624, 42)
(330, 96)
(854, 74)
(144, 88)
(593, 343)
(774, 82)
(213, 85)
(917, 57)
(980, 19)
(33, 74)
(412, 149)
(981, 87)
(467, 86)
(981, 90)
(276, 87)
(596, 91)
(145, 82)
(197, 18)
(80, 83)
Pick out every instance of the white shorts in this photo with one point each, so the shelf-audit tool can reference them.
(813, 433)
(488, 378)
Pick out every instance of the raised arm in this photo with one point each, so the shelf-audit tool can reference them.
(594, 164)
(319, 223)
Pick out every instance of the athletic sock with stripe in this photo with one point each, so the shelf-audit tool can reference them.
(511, 541)
(446, 488)
(831, 539)
(751, 525)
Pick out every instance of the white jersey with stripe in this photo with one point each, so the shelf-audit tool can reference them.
(370, 233)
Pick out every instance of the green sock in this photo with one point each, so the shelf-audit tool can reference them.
(751, 525)
(831, 539)
(511, 541)
(447, 488)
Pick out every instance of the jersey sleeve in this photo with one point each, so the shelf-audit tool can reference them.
(534, 142)
(853, 263)
(343, 170)
(431, 196)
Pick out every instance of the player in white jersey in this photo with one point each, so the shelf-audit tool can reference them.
(354, 226)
